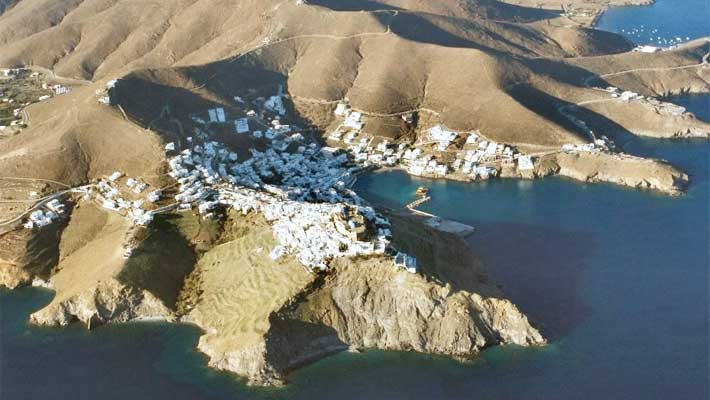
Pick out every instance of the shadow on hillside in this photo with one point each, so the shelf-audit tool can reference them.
(292, 343)
(423, 27)
(191, 90)
(352, 5)
(161, 263)
(548, 107)
(479, 9)
(562, 72)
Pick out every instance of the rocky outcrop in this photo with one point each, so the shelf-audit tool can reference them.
(374, 305)
(369, 304)
(648, 117)
(108, 302)
(26, 254)
(263, 319)
(617, 168)
(623, 169)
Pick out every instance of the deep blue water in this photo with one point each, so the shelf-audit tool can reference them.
(617, 278)
(670, 19)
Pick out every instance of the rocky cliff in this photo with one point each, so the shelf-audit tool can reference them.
(373, 305)
(108, 301)
(25, 254)
(263, 319)
(616, 168)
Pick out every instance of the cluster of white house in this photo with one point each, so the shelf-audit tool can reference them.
(661, 106)
(12, 72)
(477, 160)
(624, 95)
(45, 215)
(598, 145)
(109, 193)
(480, 156)
(17, 112)
(57, 89)
(301, 189)
(303, 195)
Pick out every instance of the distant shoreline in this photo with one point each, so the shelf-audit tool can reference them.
(605, 8)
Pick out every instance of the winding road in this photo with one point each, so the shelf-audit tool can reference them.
(43, 201)
(587, 82)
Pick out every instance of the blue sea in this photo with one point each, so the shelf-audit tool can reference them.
(664, 23)
(616, 278)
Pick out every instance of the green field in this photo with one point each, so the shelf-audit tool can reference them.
(5, 115)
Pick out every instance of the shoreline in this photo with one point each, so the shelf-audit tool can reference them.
(587, 167)
(607, 7)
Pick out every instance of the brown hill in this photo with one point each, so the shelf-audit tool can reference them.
(94, 38)
(481, 65)
(470, 65)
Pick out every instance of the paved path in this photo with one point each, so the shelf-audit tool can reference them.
(43, 201)
(703, 62)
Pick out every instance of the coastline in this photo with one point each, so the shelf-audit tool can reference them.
(607, 7)
(614, 168)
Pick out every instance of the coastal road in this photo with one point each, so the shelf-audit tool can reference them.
(42, 202)
(564, 110)
(703, 62)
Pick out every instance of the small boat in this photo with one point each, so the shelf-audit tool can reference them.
(422, 191)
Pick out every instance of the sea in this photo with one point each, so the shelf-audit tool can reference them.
(662, 24)
(616, 278)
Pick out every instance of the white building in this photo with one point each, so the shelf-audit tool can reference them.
(525, 163)
(115, 176)
(443, 136)
(275, 104)
(241, 125)
(342, 110)
(221, 117)
(404, 260)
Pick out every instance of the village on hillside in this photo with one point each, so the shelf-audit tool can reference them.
(252, 157)
(20, 87)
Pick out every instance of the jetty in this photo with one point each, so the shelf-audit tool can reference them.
(418, 202)
(438, 223)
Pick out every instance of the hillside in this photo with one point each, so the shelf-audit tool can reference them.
(96, 38)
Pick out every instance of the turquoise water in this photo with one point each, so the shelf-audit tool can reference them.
(660, 24)
(617, 278)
